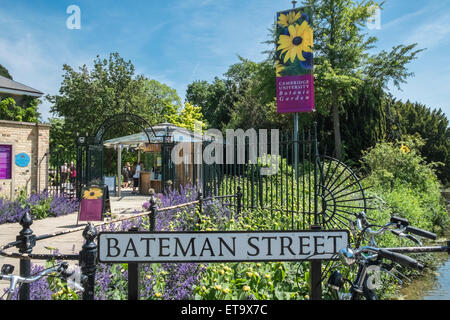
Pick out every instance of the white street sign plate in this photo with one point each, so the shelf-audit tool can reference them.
(176, 247)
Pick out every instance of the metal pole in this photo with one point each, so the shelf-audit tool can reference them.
(316, 265)
(133, 277)
(296, 145)
(88, 261)
(239, 201)
(152, 216)
(200, 203)
(316, 275)
(119, 170)
(28, 241)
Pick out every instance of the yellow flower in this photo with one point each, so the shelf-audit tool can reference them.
(286, 20)
(93, 194)
(249, 274)
(222, 272)
(299, 40)
(246, 288)
(405, 149)
(203, 288)
(267, 276)
(218, 287)
(158, 294)
(226, 290)
(279, 68)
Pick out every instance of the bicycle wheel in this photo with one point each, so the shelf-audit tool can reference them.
(367, 294)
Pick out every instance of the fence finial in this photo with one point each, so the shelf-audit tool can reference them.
(27, 242)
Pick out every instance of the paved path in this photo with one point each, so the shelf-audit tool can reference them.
(68, 243)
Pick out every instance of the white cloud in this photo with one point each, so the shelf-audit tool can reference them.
(432, 33)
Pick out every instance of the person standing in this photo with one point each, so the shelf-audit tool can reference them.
(126, 175)
(72, 173)
(136, 175)
(64, 173)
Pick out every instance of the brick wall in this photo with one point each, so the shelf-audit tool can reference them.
(32, 139)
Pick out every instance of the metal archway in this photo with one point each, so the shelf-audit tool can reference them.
(90, 149)
(122, 117)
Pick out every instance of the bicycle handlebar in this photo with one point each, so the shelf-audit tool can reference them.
(60, 268)
(421, 233)
(400, 259)
(384, 253)
(403, 224)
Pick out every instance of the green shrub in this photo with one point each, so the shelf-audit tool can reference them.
(405, 184)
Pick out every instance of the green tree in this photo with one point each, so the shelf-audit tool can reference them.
(60, 138)
(213, 99)
(189, 117)
(9, 110)
(342, 61)
(4, 72)
(433, 127)
(88, 97)
(244, 98)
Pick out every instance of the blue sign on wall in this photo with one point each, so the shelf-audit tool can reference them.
(22, 160)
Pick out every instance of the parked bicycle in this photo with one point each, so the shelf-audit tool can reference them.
(372, 258)
(61, 270)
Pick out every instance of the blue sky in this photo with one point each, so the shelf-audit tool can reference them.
(179, 41)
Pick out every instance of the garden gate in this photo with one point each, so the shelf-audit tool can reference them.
(90, 149)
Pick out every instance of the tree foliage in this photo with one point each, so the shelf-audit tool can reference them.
(190, 117)
(4, 72)
(88, 97)
(433, 127)
(343, 64)
(9, 110)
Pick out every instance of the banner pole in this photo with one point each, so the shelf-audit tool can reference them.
(296, 144)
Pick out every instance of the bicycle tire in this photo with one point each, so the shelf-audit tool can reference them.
(367, 294)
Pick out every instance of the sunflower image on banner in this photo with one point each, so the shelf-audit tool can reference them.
(294, 61)
(91, 206)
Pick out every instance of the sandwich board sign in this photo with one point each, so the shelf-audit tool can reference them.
(94, 203)
(257, 246)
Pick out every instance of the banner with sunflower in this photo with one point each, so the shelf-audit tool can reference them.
(92, 204)
(294, 61)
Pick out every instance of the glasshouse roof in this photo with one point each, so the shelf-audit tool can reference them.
(176, 134)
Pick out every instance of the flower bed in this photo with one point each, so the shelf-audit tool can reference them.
(40, 205)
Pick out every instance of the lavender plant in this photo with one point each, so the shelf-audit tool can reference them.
(40, 205)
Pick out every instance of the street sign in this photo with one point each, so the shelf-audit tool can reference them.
(177, 247)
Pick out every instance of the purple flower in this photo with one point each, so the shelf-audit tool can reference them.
(146, 205)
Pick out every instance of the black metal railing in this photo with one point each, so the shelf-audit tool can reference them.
(88, 256)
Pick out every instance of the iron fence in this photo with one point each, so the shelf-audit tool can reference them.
(291, 178)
